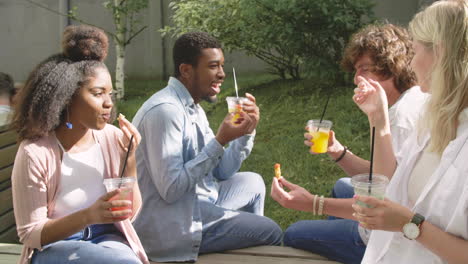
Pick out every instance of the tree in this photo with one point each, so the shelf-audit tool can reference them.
(125, 15)
(290, 36)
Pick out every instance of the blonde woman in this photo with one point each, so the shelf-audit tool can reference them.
(425, 216)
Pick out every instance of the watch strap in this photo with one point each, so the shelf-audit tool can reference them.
(417, 219)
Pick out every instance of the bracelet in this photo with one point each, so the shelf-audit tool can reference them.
(315, 201)
(320, 209)
(342, 154)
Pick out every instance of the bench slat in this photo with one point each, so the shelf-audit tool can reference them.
(9, 258)
(5, 173)
(11, 248)
(6, 201)
(7, 155)
(249, 259)
(7, 221)
(5, 185)
(275, 251)
(10, 236)
(7, 138)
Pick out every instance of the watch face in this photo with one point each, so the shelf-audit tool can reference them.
(411, 230)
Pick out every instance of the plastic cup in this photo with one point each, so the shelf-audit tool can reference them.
(363, 187)
(126, 193)
(235, 105)
(320, 132)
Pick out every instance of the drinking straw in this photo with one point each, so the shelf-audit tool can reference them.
(371, 158)
(126, 158)
(235, 82)
(323, 111)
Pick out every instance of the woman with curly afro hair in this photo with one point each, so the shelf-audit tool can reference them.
(67, 148)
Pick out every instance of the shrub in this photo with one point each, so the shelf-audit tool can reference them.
(291, 36)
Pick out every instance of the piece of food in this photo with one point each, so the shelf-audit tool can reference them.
(277, 170)
(120, 116)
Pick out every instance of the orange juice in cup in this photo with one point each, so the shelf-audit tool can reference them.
(235, 105)
(320, 132)
(125, 184)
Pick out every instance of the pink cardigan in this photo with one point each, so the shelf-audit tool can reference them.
(35, 180)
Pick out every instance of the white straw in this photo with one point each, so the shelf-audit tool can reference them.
(235, 82)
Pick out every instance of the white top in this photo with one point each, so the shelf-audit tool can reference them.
(423, 169)
(443, 200)
(81, 183)
(404, 114)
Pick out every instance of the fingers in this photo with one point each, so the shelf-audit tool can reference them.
(129, 129)
(109, 195)
(287, 184)
(369, 200)
(251, 98)
(244, 121)
(277, 192)
(118, 204)
(308, 139)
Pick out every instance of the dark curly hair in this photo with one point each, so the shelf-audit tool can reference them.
(189, 46)
(42, 103)
(7, 86)
(390, 48)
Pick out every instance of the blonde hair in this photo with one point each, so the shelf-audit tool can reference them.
(443, 28)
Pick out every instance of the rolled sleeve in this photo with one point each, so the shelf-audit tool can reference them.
(234, 155)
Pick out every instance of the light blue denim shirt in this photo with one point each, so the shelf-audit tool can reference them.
(179, 161)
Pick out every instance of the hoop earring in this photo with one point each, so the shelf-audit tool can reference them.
(68, 124)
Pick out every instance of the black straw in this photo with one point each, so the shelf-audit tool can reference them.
(371, 158)
(126, 156)
(324, 110)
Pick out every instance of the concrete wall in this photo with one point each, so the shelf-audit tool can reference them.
(30, 34)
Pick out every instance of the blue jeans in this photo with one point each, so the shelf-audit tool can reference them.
(236, 219)
(337, 239)
(94, 244)
(343, 188)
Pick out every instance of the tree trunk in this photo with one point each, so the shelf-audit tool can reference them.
(119, 40)
(119, 71)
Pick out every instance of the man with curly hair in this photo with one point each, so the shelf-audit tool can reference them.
(381, 53)
(194, 199)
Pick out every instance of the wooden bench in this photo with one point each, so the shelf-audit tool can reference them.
(10, 253)
(8, 148)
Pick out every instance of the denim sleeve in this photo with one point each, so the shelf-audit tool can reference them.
(163, 128)
(233, 157)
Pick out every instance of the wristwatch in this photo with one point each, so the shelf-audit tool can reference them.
(412, 230)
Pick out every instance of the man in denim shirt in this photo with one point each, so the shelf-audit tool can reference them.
(194, 200)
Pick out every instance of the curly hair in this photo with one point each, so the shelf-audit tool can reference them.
(83, 42)
(50, 87)
(189, 46)
(389, 47)
(7, 86)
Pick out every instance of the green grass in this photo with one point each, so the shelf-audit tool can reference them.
(285, 107)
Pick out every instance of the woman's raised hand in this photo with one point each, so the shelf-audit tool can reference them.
(128, 130)
(370, 97)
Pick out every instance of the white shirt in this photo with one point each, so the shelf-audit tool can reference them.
(81, 183)
(443, 201)
(404, 114)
